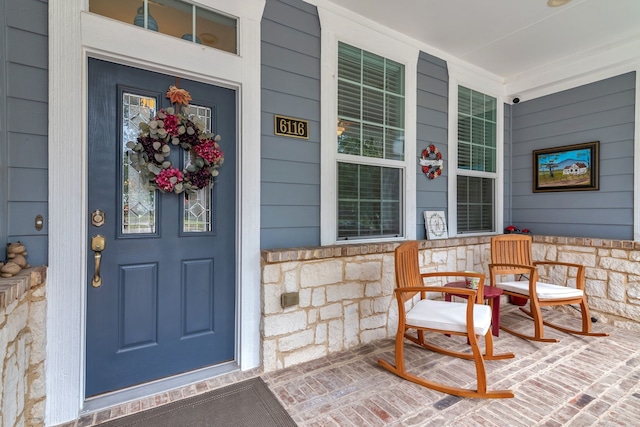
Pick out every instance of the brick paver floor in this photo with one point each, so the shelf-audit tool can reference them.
(580, 381)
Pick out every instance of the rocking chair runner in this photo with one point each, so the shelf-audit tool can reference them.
(469, 319)
(511, 255)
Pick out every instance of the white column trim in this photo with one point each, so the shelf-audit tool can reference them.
(636, 161)
(67, 215)
(73, 36)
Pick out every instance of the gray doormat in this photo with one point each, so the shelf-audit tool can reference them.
(246, 404)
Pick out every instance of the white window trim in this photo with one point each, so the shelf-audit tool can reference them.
(73, 36)
(340, 25)
(459, 76)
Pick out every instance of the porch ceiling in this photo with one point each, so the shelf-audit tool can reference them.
(509, 38)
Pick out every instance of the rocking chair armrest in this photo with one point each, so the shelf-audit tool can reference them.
(441, 289)
(505, 267)
(472, 294)
(580, 273)
(566, 264)
(518, 269)
(506, 264)
(467, 275)
(480, 276)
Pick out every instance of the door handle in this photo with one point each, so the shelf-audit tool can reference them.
(97, 246)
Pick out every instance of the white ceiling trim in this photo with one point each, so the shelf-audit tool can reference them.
(576, 71)
(619, 56)
(403, 38)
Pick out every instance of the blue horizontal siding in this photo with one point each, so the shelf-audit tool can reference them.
(24, 145)
(27, 150)
(602, 111)
(432, 125)
(290, 167)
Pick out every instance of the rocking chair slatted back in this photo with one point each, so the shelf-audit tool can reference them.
(408, 269)
(511, 249)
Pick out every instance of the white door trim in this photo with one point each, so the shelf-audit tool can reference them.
(73, 37)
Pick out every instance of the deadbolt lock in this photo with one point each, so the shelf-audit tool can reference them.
(97, 218)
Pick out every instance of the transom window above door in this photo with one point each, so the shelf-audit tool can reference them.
(175, 18)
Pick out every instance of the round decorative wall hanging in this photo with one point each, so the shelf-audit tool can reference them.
(431, 162)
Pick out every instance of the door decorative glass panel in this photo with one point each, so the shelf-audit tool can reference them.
(197, 207)
(138, 203)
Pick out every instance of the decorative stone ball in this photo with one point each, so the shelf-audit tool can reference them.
(10, 269)
(20, 260)
(16, 260)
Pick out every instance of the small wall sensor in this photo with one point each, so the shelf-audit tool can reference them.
(516, 100)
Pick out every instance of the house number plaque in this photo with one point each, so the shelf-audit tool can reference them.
(289, 126)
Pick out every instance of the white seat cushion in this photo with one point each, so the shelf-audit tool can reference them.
(449, 316)
(545, 291)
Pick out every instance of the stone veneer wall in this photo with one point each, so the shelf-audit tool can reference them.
(22, 348)
(345, 291)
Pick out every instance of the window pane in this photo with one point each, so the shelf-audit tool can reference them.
(490, 159)
(475, 210)
(394, 144)
(349, 141)
(138, 203)
(394, 111)
(216, 30)
(175, 18)
(372, 106)
(373, 141)
(349, 100)
(464, 101)
(349, 63)
(395, 77)
(373, 70)
(464, 156)
(368, 201)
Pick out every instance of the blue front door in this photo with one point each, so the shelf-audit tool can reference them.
(166, 301)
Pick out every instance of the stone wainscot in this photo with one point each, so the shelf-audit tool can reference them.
(22, 348)
(346, 291)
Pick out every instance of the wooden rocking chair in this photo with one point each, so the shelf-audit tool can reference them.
(470, 319)
(511, 255)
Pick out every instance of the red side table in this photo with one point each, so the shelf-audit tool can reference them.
(491, 293)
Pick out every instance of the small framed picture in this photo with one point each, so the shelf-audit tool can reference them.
(436, 225)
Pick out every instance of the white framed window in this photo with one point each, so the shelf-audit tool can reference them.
(369, 81)
(477, 152)
(475, 149)
(370, 144)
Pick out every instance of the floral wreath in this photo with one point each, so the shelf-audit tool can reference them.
(431, 161)
(149, 153)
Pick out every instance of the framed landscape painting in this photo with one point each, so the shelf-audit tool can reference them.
(567, 168)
